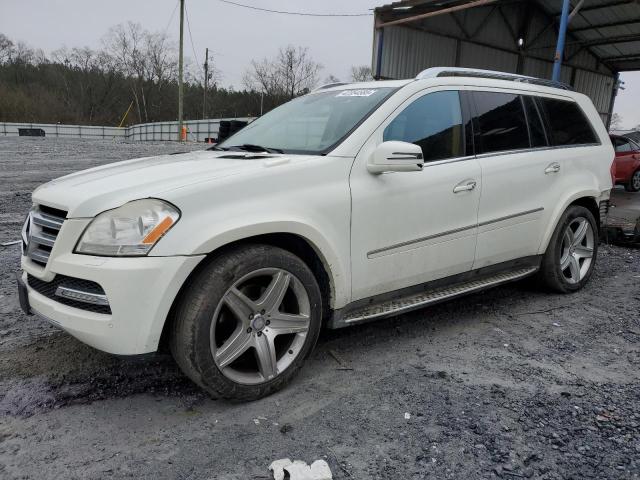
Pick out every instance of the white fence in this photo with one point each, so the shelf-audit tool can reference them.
(70, 131)
(197, 130)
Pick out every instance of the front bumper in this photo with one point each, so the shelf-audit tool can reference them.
(140, 292)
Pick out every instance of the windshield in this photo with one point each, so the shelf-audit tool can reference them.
(310, 124)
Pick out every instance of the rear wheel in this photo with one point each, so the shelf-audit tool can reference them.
(568, 262)
(247, 323)
(634, 182)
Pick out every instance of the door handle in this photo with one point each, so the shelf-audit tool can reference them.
(552, 168)
(465, 186)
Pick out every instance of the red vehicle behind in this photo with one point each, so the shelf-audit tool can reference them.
(626, 166)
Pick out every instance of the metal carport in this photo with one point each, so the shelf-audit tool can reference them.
(518, 36)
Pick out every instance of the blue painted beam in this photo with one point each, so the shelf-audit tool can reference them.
(562, 35)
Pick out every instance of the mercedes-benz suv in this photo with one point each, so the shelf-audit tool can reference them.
(349, 204)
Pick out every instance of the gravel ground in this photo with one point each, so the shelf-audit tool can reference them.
(511, 383)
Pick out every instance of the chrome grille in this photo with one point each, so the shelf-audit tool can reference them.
(40, 232)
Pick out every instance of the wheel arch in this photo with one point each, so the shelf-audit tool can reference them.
(586, 199)
(591, 204)
(296, 244)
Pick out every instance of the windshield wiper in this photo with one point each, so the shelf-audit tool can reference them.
(255, 148)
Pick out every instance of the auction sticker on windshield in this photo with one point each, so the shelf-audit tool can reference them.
(356, 93)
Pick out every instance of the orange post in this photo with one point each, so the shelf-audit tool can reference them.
(183, 134)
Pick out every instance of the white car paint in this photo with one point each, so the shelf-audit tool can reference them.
(358, 223)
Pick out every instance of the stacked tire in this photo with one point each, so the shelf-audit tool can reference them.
(223, 131)
(229, 127)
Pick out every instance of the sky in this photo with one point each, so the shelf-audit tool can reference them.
(628, 100)
(234, 35)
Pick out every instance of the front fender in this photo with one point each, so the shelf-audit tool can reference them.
(331, 252)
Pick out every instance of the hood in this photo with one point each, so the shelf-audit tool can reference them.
(89, 192)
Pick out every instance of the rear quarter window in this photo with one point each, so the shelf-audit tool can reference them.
(566, 123)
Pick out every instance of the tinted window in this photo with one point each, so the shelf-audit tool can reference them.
(567, 124)
(536, 130)
(433, 122)
(635, 136)
(633, 146)
(501, 122)
(622, 145)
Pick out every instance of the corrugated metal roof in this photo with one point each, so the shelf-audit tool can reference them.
(487, 36)
(606, 29)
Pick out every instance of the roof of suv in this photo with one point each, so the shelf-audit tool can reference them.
(483, 77)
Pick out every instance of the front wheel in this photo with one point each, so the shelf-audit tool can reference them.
(634, 182)
(247, 322)
(571, 255)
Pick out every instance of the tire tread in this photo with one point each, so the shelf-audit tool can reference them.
(197, 305)
(550, 275)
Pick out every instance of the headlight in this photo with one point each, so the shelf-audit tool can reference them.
(130, 230)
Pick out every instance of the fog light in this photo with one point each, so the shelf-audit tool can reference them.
(80, 296)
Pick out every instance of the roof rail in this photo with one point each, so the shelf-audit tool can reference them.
(330, 85)
(478, 73)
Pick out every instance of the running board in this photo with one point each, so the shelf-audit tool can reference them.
(429, 297)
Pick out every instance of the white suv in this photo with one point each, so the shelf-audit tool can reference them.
(352, 203)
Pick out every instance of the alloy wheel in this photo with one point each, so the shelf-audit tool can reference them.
(260, 325)
(635, 180)
(576, 253)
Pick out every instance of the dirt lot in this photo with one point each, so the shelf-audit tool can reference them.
(511, 383)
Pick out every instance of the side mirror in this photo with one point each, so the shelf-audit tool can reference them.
(395, 157)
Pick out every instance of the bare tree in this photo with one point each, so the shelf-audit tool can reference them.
(361, 73)
(298, 70)
(263, 77)
(88, 80)
(331, 79)
(21, 53)
(160, 57)
(291, 73)
(616, 121)
(6, 48)
(83, 59)
(97, 86)
(122, 43)
(148, 59)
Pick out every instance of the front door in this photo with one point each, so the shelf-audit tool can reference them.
(411, 227)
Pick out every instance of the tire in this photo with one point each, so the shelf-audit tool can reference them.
(634, 182)
(246, 322)
(568, 262)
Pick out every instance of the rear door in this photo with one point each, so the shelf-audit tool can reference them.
(518, 179)
(532, 149)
